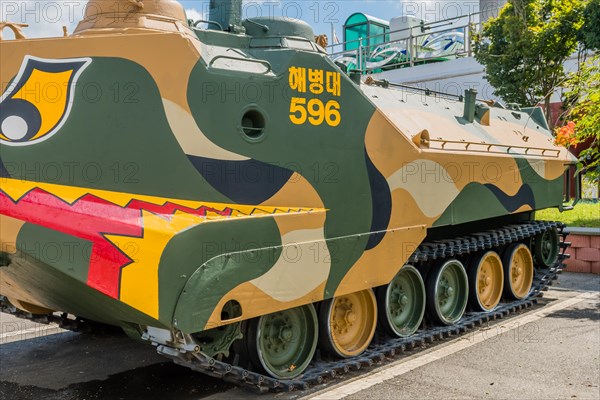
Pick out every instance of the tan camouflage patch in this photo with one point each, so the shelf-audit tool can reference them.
(9, 230)
(379, 265)
(255, 303)
(166, 47)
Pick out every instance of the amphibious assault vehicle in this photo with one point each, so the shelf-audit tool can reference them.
(229, 195)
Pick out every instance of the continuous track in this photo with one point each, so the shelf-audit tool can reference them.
(383, 348)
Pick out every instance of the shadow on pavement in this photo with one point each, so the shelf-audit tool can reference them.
(158, 381)
(579, 282)
(591, 313)
(75, 366)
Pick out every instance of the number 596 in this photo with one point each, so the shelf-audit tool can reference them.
(315, 111)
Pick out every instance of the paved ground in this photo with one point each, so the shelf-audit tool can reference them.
(552, 352)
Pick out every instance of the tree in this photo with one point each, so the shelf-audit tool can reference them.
(589, 34)
(582, 98)
(583, 110)
(524, 48)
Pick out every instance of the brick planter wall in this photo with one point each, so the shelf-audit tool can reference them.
(584, 250)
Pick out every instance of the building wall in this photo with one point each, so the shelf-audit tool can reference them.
(489, 8)
(585, 253)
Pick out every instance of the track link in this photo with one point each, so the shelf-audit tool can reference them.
(383, 349)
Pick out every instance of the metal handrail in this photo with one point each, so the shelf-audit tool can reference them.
(411, 51)
(565, 206)
(264, 63)
(360, 53)
(207, 21)
(426, 91)
(491, 145)
(426, 25)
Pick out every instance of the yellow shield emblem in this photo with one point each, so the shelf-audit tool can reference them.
(38, 102)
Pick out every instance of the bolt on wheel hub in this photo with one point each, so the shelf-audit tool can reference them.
(285, 342)
(348, 323)
(447, 291)
(518, 267)
(487, 280)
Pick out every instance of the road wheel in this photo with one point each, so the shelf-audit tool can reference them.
(401, 304)
(486, 281)
(284, 343)
(447, 292)
(347, 323)
(547, 247)
(518, 271)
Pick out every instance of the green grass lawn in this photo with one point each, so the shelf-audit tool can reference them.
(585, 214)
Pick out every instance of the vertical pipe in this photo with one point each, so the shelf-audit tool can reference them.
(332, 43)
(360, 54)
(470, 99)
(468, 32)
(411, 48)
(228, 13)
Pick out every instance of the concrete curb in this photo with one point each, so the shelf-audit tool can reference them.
(583, 231)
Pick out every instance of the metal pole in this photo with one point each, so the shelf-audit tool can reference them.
(360, 51)
(468, 37)
(228, 13)
(411, 48)
(333, 44)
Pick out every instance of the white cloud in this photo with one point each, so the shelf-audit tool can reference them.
(194, 14)
(45, 18)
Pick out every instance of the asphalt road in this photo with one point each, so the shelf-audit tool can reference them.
(551, 352)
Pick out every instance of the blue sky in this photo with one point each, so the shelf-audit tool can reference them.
(47, 17)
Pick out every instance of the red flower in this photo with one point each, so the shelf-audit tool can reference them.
(565, 135)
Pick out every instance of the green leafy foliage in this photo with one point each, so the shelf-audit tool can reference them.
(583, 107)
(589, 34)
(524, 48)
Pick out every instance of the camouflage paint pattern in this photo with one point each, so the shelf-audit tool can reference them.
(130, 193)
